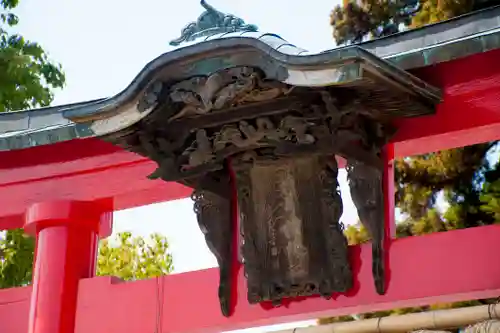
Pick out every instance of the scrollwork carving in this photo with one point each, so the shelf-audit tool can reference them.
(150, 97)
(214, 216)
(365, 183)
(227, 88)
(261, 132)
(203, 153)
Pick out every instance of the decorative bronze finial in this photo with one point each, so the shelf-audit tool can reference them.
(211, 22)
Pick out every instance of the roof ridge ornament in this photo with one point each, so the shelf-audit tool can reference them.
(212, 22)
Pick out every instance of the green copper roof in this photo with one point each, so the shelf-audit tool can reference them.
(223, 44)
(212, 22)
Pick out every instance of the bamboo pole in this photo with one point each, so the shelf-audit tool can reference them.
(489, 326)
(433, 320)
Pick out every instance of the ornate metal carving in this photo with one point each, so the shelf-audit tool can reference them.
(211, 22)
(214, 218)
(229, 88)
(150, 97)
(365, 183)
(280, 141)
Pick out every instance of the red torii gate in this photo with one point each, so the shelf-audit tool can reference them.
(64, 194)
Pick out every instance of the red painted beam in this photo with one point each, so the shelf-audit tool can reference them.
(467, 274)
(423, 270)
(469, 114)
(94, 170)
(101, 172)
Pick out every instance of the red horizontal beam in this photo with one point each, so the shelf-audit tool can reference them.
(95, 170)
(424, 270)
(469, 113)
(117, 179)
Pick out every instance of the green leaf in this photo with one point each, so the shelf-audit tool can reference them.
(27, 76)
(12, 19)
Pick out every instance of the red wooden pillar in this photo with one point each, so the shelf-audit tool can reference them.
(67, 235)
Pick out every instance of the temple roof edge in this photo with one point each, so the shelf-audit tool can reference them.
(459, 37)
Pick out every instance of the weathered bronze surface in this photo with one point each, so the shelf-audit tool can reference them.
(293, 241)
(214, 218)
(211, 22)
(241, 115)
(366, 192)
(280, 141)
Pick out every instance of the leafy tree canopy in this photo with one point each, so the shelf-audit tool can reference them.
(27, 76)
(354, 21)
(133, 258)
(16, 258)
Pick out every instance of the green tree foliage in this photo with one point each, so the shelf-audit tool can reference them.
(467, 179)
(465, 176)
(27, 76)
(16, 258)
(354, 21)
(127, 257)
(490, 196)
(134, 258)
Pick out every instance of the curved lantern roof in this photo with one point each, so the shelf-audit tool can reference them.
(229, 41)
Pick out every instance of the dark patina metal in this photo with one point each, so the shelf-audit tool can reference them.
(293, 243)
(276, 124)
(211, 22)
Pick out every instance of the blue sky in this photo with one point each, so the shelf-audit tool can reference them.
(102, 45)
